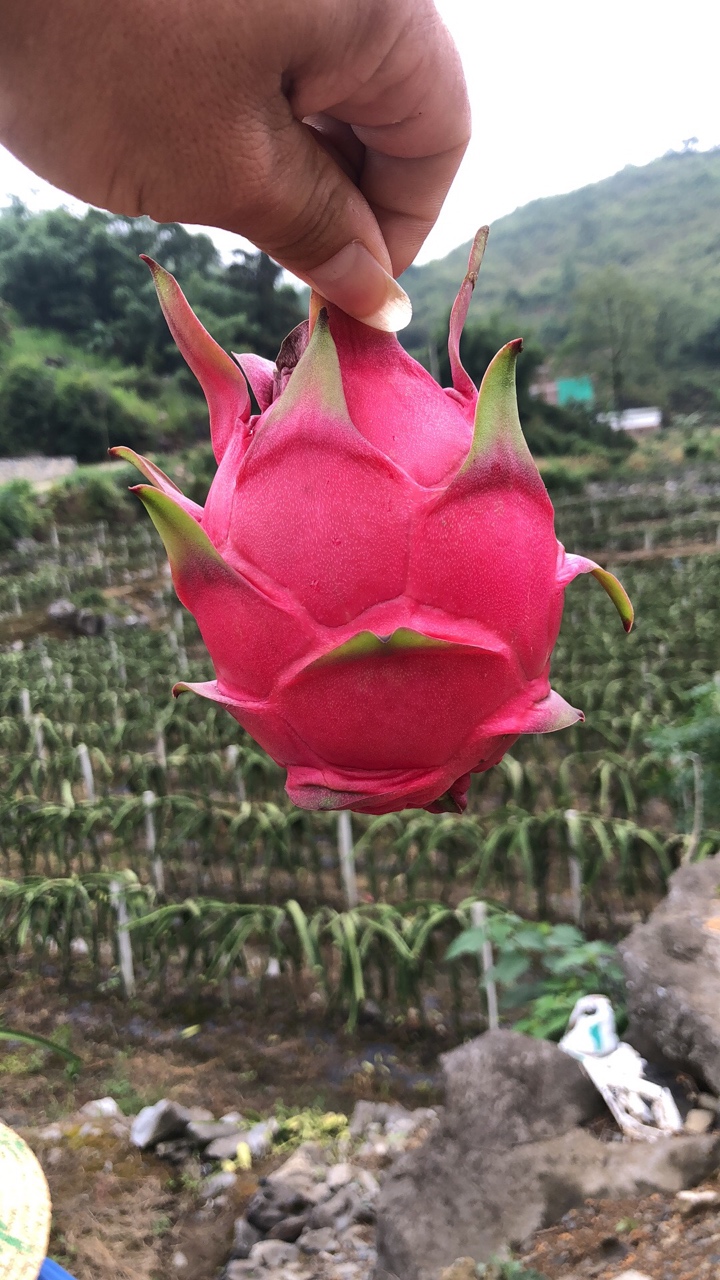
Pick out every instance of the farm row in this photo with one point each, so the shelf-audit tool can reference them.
(104, 780)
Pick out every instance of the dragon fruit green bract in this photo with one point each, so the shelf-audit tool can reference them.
(375, 573)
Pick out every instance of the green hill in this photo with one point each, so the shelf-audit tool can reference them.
(658, 226)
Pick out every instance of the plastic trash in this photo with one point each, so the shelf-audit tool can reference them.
(643, 1110)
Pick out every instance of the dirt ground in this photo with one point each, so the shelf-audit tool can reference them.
(121, 1213)
(606, 1238)
(125, 1214)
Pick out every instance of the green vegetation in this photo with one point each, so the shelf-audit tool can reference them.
(235, 876)
(86, 359)
(647, 238)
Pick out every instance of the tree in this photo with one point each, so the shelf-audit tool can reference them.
(611, 334)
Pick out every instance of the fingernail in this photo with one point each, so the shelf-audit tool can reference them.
(354, 280)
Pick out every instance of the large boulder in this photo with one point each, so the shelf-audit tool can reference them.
(509, 1157)
(672, 966)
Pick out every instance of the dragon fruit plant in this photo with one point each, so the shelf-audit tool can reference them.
(375, 572)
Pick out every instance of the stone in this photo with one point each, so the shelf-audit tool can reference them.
(289, 1229)
(327, 1212)
(461, 1269)
(695, 1200)
(320, 1241)
(274, 1201)
(176, 1150)
(509, 1158)
(274, 1253)
(158, 1123)
(179, 1260)
(214, 1186)
(62, 611)
(672, 967)
(306, 1165)
(52, 1133)
(339, 1176)
(260, 1138)
(699, 1121)
(246, 1235)
(632, 1275)
(524, 1089)
(243, 1270)
(202, 1132)
(200, 1115)
(368, 1184)
(225, 1148)
(101, 1108)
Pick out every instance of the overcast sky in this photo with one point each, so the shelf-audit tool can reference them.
(563, 94)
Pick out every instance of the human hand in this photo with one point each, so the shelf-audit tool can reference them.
(325, 131)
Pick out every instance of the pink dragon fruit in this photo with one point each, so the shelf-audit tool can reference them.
(375, 572)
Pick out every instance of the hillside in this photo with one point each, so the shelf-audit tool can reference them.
(658, 223)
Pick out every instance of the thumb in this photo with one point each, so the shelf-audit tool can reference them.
(309, 215)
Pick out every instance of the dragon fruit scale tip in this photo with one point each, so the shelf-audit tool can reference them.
(375, 572)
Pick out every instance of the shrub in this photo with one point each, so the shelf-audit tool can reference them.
(100, 495)
(20, 516)
(27, 393)
(66, 412)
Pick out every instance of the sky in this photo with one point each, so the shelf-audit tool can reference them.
(564, 93)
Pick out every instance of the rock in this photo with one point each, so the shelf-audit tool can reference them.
(214, 1186)
(225, 1148)
(672, 966)
(632, 1275)
(62, 611)
(243, 1270)
(89, 1130)
(699, 1121)
(223, 1139)
(708, 1102)
(306, 1165)
(327, 1212)
(179, 1260)
(246, 1235)
(693, 1201)
(368, 1183)
(176, 1150)
(523, 1089)
(289, 1229)
(101, 1108)
(381, 1116)
(260, 1138)
(232, 1117)
(274, 1253)
(461, 1269)
(200, 1115)
(52, 1133)
(339, 1176)
(202, 1132)
(509, 1158)
(320, 1241)
(155, 1124)
(273, 1202)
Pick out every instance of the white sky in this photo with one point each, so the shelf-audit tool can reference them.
(564, 93)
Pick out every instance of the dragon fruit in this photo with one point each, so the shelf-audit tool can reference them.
(375, 572)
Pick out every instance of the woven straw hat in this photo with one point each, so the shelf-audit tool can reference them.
(24, 1209)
